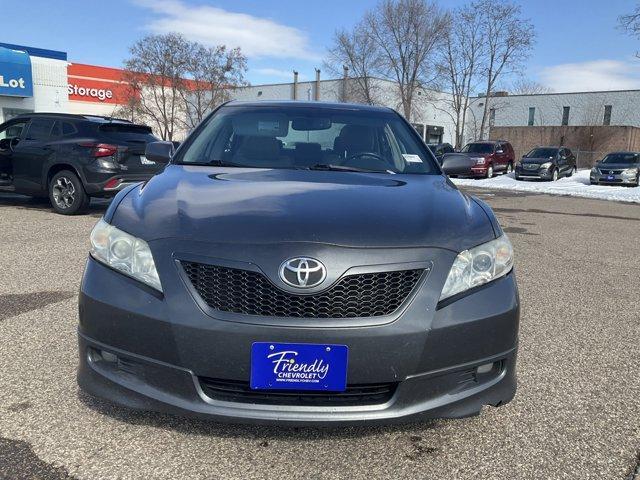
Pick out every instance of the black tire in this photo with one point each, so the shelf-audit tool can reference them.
(66, 194)
(555, 175)
(509, 168)
(573, 171)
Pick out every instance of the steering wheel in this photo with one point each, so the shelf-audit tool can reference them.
(13, 142)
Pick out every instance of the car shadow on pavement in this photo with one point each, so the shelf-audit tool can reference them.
(96, 208)
(258, 432)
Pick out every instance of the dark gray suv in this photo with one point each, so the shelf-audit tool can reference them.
(299, 263)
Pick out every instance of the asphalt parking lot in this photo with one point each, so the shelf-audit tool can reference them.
(576, 414)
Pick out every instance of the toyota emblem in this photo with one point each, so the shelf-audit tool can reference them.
(303, 272)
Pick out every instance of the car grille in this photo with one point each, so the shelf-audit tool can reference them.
(240, 392)
(251, 293)
(610, 172)
(531, 166)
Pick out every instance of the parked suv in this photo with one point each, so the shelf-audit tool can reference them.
(439, 150)
(70, 158)
(547, 163)
(480, 160)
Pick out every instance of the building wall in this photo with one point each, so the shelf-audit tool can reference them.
(589, 143)
(585, 108)
(49, 89)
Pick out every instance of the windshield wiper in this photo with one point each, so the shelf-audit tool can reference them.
(343, 168)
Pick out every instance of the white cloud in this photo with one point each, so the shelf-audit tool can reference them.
(278, 73)
(257, 37)
(592, 75)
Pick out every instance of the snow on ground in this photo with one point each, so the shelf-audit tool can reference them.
(575, 186)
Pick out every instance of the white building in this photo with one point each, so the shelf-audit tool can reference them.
(430, 110)
(556, 109)
(31, 80)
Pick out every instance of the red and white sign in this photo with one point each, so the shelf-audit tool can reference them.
(90, 83)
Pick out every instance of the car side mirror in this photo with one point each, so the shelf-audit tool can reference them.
(159, 152)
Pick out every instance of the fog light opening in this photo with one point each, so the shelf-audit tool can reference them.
(486, 368)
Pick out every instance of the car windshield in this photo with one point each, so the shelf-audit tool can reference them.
(622, 158)
(478, 148)
(542, 153)
(307, 138)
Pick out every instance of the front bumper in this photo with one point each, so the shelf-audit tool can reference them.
(616, 179)
(540, 174)
(165, 346)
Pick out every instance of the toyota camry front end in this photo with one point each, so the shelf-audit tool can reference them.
(299, 263)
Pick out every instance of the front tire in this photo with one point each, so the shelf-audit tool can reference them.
(66, 194)
(509, 168)
(554, 175)
(490, 171)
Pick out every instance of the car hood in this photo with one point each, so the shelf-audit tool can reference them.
(538, 160)
(232, 205)
(616, 166)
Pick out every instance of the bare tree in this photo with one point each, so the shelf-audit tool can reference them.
(508, 38)
(523, 86)
(357, 50)
(631, 21)
(156, 74)
(461, 53)
(213, 72)
(407, 33)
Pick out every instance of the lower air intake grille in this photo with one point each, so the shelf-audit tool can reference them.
(251, 293)
(354, 395)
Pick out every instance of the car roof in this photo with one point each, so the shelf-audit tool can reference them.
(309, 104)
(73, 116)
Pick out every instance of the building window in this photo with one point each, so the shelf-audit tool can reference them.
(565, 115)
(492, 117)
(607, 115)
(532, 115)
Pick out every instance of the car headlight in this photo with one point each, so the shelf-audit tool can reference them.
(479, 265)
(546, 165)
(479, 160)
(630, 171)
(594, 170)
(125, 253)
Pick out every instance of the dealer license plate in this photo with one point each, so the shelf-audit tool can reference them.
(298, 366)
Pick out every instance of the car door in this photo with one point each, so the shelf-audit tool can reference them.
(500, 156)
(562, 162)
(31, 154)
(10, 134)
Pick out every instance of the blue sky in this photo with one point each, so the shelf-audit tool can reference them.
(578, 47)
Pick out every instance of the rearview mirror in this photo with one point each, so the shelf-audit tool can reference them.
(159, 152)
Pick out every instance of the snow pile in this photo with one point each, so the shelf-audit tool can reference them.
(575, 186)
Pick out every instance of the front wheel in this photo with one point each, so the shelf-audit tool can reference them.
(509, 168)
(554, 175)
(573, 171)
(67, 194)
(490, 171)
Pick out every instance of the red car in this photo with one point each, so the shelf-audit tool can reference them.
(480, 159)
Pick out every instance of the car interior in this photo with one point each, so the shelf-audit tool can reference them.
(269, 140)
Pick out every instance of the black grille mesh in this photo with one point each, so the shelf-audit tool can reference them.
(251, 293)
(236, 391)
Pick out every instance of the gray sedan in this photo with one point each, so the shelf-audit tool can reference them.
(618, 168)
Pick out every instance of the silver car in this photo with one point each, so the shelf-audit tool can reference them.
(617, 168)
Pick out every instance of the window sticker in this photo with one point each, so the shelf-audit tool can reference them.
(410, 158)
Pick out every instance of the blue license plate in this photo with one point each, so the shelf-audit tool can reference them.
(298, 366)
(611, 177)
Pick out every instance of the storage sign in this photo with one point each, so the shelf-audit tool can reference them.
(15, 73)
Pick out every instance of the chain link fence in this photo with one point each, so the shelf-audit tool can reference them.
(586, 159)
